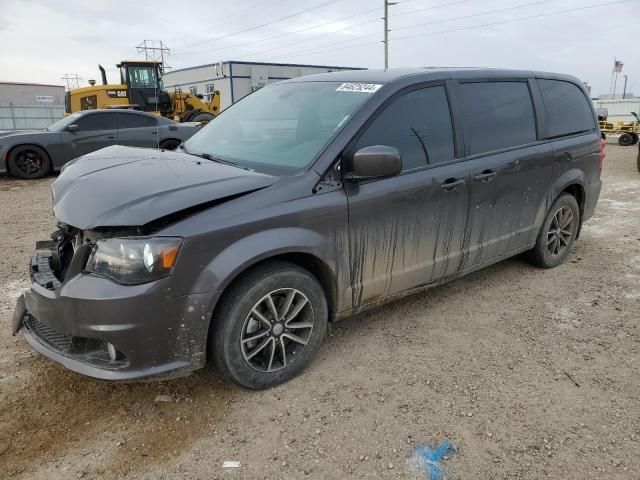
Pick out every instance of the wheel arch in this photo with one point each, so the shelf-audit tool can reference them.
(303, 259)
(305, 248)
(571, 182)
(170, 139)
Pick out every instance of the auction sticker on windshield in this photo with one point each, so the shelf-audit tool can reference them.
(359, 87)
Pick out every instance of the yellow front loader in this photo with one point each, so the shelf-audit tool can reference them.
(140, 88)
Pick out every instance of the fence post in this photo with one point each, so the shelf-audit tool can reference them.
(13, 117)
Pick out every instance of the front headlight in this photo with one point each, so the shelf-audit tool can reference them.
(132, 261)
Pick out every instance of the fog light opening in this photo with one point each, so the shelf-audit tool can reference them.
(113, 353)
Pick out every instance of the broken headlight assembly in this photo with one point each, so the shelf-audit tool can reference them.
(132, 261)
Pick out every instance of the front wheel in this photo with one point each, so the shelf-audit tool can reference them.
(269, 325)
(29, 162)
(557, 234)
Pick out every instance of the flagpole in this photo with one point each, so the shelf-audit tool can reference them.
(613, 72)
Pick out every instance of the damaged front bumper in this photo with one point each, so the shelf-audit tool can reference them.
(101, 329)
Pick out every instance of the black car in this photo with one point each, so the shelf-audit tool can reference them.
(33, 153)
(307, 201)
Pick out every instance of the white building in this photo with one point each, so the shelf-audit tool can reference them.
(235, 79)
(618, 109)
(30, 105)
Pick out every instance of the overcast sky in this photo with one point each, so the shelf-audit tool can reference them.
(41, 40)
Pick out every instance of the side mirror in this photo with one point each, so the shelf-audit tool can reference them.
(374, 162)
(72, 128)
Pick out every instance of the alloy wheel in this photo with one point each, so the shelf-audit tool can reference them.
(29, 162)
(560, 231)
(277, 330)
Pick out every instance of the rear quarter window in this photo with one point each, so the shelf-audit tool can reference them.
(497, 115)
(567, 108)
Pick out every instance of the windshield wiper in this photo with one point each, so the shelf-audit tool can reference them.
(208, 156)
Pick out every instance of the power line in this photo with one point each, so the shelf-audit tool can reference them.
(348, 28)
(500, 10)
(315, 37)
(432, 7)
(364, 12)
(454, 29)
(548, 14)
(285, 34)
(255, 27)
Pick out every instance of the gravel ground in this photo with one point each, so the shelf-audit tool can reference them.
(529, 373)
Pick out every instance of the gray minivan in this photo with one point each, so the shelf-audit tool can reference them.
(308, 201)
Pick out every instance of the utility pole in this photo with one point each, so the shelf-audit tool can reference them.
(386, 32)
(155, 51)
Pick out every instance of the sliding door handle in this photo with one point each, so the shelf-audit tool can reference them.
(485, 176)
(451, 184)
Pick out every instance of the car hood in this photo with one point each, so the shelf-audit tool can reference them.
(124, 186)
(13, 133)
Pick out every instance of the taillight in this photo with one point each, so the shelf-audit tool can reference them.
(603, 146)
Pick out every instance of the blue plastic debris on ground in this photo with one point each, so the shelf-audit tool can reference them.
(428, 458)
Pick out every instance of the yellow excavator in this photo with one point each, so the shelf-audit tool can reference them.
(141, 88)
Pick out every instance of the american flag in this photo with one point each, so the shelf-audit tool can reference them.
(617, 66)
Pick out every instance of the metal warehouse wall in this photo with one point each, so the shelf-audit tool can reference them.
(235, 80)
(619, 109)
(29, 105)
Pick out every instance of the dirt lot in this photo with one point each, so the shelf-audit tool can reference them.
(530, 373)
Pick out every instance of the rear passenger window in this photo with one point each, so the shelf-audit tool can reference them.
(497, 115)
(132, 120)
(568, 110)
(418, 124)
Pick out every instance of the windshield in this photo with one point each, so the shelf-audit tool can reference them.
(142, 77)
(61, 124)
(280, 129)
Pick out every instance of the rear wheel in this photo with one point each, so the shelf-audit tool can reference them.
(170, 144)
(625, 140)
(269, 325)
(557, 234)
(635, 138)
(29, 162)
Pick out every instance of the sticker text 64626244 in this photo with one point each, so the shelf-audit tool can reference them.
(359, 87)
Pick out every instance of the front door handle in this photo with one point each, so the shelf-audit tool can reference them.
(451, 184)
(485, 176)
(154, 133)
(111, 137)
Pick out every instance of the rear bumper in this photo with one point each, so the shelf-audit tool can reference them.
(592, 194)
(156, 336)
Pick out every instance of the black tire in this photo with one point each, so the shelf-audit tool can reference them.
(638, 160)
(544, 254)
(241, 316)
(636, 137)
(170, 144)
(29, 162)
(625, 140)
(202, 117)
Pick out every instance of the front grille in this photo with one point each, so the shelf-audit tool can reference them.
(49, 335)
